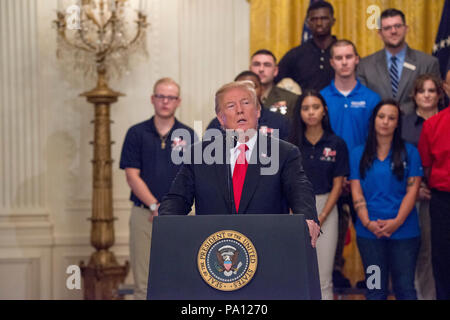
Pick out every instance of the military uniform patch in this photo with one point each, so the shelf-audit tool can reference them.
(227, 260)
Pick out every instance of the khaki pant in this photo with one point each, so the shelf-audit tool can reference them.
(140, 243)
(326, 247)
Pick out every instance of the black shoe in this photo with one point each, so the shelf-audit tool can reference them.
(339, 281)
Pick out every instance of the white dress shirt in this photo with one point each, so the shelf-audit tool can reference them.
(234, 152)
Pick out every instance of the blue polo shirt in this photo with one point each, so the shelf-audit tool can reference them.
(324, 161)
(384, 193)
(143, 150)
(349, 115)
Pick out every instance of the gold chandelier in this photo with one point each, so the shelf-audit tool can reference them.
(99, 35)
(97, 38)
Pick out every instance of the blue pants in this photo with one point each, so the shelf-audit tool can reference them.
(393, 257)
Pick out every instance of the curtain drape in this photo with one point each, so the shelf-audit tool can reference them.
(277, 24)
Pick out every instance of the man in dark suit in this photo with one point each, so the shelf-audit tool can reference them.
(268, 121)
(391, 72)
(251, 173)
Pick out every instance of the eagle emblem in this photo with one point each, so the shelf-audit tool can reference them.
(227, 258)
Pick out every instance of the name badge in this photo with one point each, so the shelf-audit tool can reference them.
(358, 104)
(409, 66)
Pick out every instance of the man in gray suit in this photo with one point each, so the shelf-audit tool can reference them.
(391, 72)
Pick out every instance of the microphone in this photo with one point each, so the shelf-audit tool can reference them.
(229, 187)
(231, 141)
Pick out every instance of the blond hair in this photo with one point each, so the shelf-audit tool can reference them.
(166, 80)
(246, 85)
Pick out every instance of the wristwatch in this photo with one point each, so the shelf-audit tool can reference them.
(153, 206)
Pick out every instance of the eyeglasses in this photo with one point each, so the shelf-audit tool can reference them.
(163, 97)
(396, 26)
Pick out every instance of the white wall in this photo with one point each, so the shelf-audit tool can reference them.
(45, 129)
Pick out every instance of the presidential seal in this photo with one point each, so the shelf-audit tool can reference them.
(227, 260)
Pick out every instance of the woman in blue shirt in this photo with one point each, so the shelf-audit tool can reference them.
(325, 161)
(385, 178)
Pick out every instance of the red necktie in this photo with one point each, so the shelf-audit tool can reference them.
(240, 168)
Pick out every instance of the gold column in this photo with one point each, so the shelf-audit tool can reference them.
(103, 274)
(92, 38)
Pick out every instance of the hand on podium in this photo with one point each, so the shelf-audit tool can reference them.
(314, 231)
(153, 213)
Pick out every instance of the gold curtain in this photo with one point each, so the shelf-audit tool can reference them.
(277, 24)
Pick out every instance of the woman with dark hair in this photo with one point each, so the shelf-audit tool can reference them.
(385, 178)
(427, 94)
(428, 98)
(325, 161)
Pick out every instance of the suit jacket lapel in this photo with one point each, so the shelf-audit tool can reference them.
(383, 72)
(407, 74)
(251, 179)
(224, 181)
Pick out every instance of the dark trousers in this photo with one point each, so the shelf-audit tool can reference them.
(440, 242)
(391, 257)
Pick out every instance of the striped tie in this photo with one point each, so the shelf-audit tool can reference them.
(393, 73)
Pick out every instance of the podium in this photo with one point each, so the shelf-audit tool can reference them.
(197, 258)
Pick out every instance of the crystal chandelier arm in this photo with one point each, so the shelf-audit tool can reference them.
(111, 20)
(91, 17)
(141, 24)
(62, 34)
(85, 42)
(80, 30)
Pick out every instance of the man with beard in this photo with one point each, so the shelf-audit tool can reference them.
(391, 71)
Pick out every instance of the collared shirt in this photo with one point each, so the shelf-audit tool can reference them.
(266, 94)
(142, 149)
(308, 65)
(384, 193)
(349, 115)
(400, 60)
(234, 152)
(324, 161)
(434, 148)
(411, 128)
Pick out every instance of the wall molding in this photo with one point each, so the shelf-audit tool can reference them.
(45, 170)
